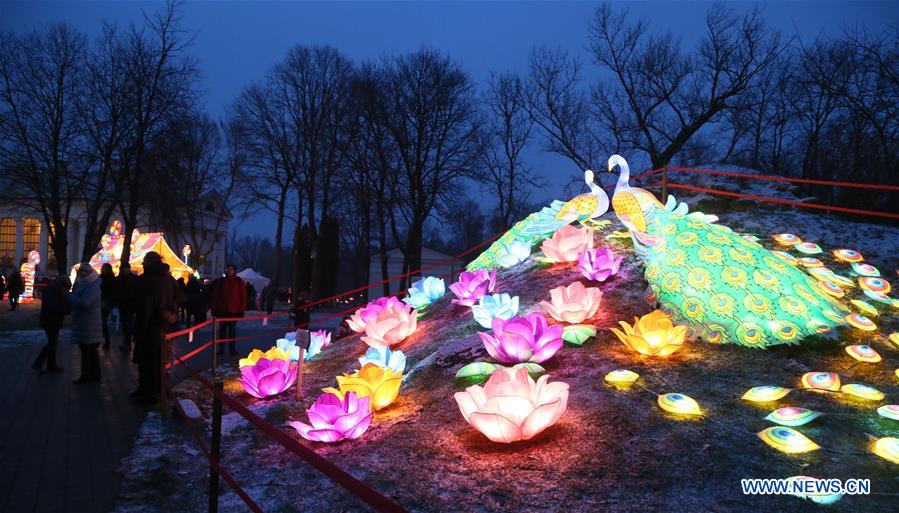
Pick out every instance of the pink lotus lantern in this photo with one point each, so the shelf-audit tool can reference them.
(335, 417)
(567, 243)
(511, 406)
(472, 285)
(523, 339)
(390, 325)
(268, 377)
(598, 264)
(359, 319)
(574, 303)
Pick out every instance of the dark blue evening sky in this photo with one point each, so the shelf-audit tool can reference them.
(237, 42)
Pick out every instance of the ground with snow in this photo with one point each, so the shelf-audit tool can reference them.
(612, 451)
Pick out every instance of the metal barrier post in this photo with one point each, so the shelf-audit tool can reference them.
(215, 447)
(665, 184)
(214, 346)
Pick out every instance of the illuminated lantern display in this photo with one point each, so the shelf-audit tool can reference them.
(479, 372)
(361, 316)
(472, 285)
(861, 322)
(385, 358)
(810, 262)
(318, 340)
(865, 269)
(511, 406)
(621, 376)
(523, 339)
(512, 254)
(380, 384)
(567, 243)
(818, 498)
(577, 334)
(864, 307)
(894, 338)
(288, 344)
(598, 264)
(495, 306)
(729, 289)
(424, 292)
(679, 404)
(787, 239)
(809, 248)
(887, 448)
(390, 326)
(335, 417)
(787, 440)
(874, 284)
(573, 304)
(820, 381)
(653, 334)
(786, 257)
(830, 288)
(865, 392)
(890, 411)
(792, 416)
(267, 377)
(764, 394)
(27, 269)
(274, 353)
(847, 255)
(880, 297)
(863, 353)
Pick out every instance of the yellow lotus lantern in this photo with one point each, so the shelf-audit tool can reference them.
(653, 334)
(275, 353)
(381, 384)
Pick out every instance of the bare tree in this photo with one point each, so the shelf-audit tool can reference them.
(505, 134)
(161, 84)
(42, 80)
(259, 129)
(659, 97)
(430, 117)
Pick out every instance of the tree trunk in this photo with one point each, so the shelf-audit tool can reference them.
(279, 231)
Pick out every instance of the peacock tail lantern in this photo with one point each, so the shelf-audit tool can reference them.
(727, 287)
(535, 228)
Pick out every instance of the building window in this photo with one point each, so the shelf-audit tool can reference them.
(7, 242)
(32, 239)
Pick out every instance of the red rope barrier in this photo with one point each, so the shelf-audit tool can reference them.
(784, 202)
(218, 468)
(335, 473)
(785, 179)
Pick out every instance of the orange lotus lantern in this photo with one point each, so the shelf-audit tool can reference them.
(275, 353)
(653, 334)
(573, 304)
(567, 243)
(380, 384)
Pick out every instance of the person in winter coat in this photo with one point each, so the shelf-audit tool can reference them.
(155, 310)
(14, 286)
(87, 322)
(126, 290)
(196, 301)
(54, 307)
(108, 297)
(229, 299)
(269, 296)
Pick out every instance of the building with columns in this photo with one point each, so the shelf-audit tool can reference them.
(23, 230)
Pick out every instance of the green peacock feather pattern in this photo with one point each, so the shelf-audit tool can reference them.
(726, 286)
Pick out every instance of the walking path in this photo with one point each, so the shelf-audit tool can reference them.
(60, 443)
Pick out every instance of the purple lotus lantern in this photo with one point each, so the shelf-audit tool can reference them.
(268, 377)
(523, 339)
(598, 264)
(335, 418)
(472, 285)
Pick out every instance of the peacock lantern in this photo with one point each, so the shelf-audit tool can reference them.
(728, 288)
(532, 230)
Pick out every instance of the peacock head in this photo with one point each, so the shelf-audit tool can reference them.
(617, 161)
(588, 176)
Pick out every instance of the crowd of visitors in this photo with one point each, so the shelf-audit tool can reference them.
(144, 307)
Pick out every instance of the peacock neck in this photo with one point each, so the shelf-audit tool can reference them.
(623, 178)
